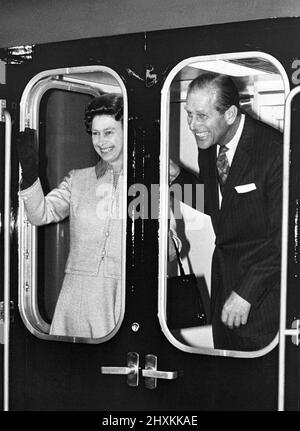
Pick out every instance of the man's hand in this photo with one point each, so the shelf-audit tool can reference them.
(235, 311)
(174, 171)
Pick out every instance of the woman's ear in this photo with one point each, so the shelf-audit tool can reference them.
(231, 114)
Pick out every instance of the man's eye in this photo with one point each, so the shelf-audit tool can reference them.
(95, 133)
(108, 132)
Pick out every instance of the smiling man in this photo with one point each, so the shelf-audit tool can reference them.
(240, 163)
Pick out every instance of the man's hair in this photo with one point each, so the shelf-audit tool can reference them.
(227, 92)
(106, 104)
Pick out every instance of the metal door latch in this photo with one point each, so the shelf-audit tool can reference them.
(151, 373)
(131, 371)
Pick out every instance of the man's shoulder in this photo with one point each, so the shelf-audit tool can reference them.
(264, 129)
(266, 140)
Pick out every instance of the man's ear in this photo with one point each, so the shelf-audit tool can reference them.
(231, 114)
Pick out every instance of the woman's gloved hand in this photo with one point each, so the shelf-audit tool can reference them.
(28, 157)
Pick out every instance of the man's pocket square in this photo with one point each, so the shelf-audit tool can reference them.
(245, 188)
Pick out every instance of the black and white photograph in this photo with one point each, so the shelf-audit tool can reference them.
(149, 209)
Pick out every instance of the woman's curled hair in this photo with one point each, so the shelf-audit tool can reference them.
(106, 104)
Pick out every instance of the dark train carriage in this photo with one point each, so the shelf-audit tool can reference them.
(143, 364)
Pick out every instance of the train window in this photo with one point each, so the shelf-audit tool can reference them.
(228, 236)
(72, 252)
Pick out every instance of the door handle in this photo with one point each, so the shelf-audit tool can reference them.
(131, 371)
(117, 370)
(151, 373)
(156, 374)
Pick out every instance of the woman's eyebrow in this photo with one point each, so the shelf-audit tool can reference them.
(106, 128)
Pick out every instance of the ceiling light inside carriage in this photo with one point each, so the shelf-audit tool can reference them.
(227, 68)
(95, 81)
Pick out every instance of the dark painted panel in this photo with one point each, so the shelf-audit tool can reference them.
(61, 376)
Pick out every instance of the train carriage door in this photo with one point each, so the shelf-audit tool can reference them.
(143, 364)
(53, 104)
(142, 360)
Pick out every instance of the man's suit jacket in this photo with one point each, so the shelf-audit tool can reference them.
(247, 251)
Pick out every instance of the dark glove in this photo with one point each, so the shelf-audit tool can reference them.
(28, 157)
